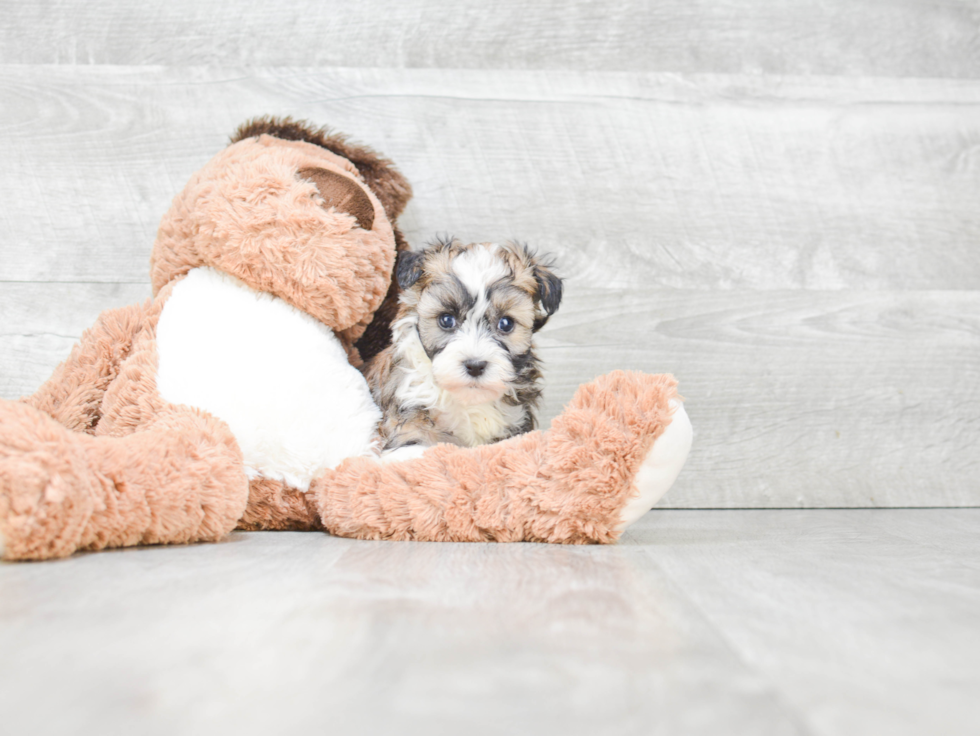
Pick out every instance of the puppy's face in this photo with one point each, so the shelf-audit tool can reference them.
(478, 306)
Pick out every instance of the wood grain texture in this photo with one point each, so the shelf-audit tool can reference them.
(798, 399)
(817, 623)
(285, 632)
(864, 621)
(840, 37)
(630, 179)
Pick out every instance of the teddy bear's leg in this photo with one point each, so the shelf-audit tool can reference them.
(73, 394)
(275, 505)
(661, 466)
(575, 483)
(181, 480)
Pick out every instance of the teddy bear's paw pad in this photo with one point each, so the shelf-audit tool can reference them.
(661, 466)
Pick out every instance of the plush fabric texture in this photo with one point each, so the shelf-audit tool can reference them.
(98, 458)
(179, 480)
(381, 176)
(379, 173)
(250, 214)
(274, 505)
(74, 393)
(565, 485)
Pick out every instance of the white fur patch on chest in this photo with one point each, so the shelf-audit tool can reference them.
(279, 378)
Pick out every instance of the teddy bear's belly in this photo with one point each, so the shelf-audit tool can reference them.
(277, 376)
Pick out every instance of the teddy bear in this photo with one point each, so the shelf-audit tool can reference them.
(233, 398)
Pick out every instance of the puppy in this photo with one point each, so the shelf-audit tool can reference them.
(461, 367)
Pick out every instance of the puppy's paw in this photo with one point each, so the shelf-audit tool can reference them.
(405, 452)
(661, 466)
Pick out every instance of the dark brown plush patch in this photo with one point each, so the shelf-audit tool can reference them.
(377, 336)
(388, 184)
(343, 194)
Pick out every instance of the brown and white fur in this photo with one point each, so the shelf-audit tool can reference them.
(461, 367)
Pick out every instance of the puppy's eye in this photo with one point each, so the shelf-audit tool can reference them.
(447, 321)
(506, 324)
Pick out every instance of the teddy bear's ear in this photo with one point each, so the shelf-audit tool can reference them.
(388, 184)
(409, 268)
(343, 194)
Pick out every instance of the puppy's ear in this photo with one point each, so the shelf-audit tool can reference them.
(409, 268)
(549, 294)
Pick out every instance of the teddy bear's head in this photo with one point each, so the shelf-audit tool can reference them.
(294, 212)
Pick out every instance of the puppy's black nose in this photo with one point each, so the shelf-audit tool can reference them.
(475, 367)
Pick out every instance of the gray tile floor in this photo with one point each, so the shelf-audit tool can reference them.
(721, 622)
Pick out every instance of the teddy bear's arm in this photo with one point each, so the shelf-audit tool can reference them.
(74, 392)
(179, 480)
(577, 483)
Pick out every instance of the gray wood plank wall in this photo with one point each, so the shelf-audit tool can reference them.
(777, 202)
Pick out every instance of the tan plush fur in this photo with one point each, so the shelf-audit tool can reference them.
(96, 458)
(381, 176)
(250, 214)
(566, 485)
